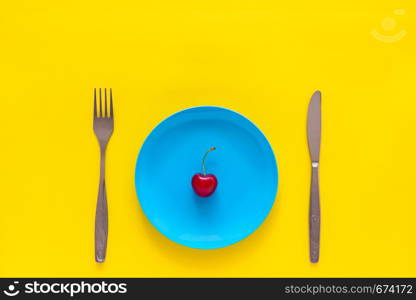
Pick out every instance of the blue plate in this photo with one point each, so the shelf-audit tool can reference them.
(243, 162)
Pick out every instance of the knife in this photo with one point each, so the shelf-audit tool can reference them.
(314, 141)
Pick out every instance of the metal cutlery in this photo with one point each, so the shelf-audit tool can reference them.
(314, 141)
(103, 128)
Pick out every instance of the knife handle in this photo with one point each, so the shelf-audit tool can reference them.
(314, 216)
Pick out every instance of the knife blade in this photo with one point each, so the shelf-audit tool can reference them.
(314, 141)
(314, 126)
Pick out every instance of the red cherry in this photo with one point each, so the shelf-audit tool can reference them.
(204, 184)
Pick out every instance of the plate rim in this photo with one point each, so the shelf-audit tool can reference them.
(275, 164)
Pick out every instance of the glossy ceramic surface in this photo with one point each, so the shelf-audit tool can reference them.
(243, 162)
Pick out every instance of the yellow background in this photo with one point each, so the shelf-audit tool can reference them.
(261, 58)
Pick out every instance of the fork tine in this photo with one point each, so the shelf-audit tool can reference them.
(95, 102)
(111, 103)
(105, 103)
(101, 106)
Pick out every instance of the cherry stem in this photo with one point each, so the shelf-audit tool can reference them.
(203, 160)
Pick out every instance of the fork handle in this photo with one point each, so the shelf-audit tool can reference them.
(314, 216)
(101, 215)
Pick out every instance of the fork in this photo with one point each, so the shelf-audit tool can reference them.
(103, 129)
